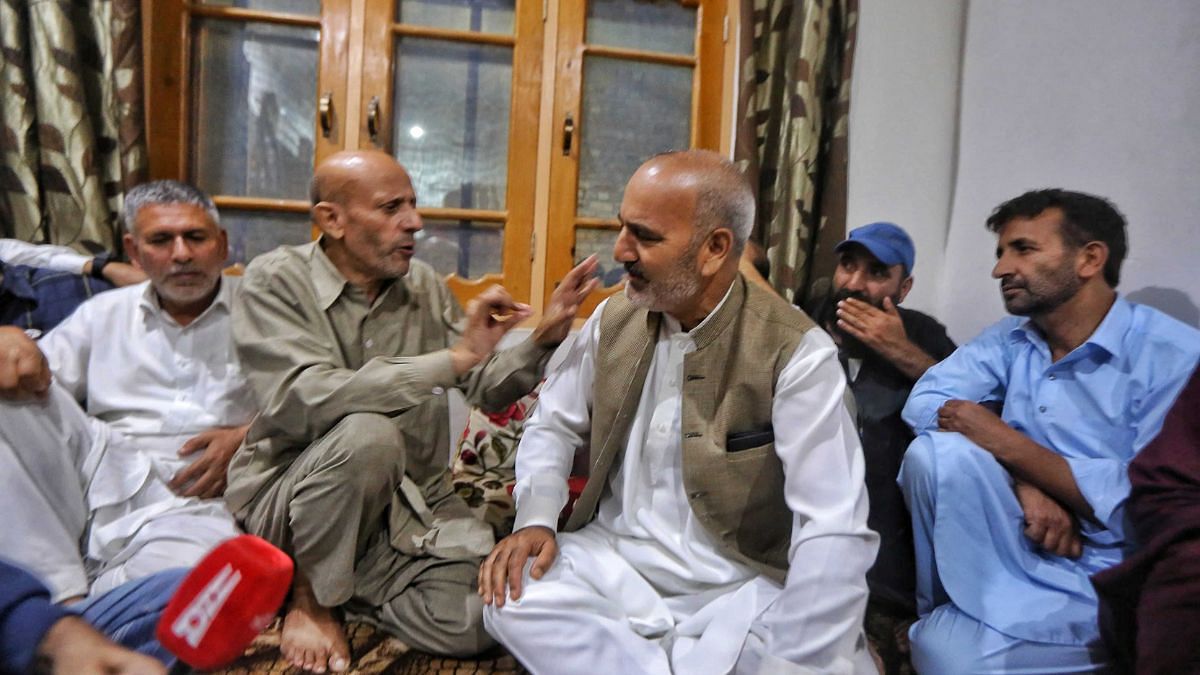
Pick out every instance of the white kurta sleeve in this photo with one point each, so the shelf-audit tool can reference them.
(817, 618)
(57, 258)
(68, 349)
(558, 427)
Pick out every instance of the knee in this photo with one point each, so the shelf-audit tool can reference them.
(918, 471)
(937, 648)
(367, 445)
(461, 631)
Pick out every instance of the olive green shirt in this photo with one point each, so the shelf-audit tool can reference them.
(315, 350)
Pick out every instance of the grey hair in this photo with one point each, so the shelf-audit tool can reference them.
(166, 192)
(724, 197)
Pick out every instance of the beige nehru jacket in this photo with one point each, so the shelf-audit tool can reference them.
(728, 388)
(315, 351)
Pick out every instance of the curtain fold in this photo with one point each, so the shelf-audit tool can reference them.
(793, 106)
(71, 119)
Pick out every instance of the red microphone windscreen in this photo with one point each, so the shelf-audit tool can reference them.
(225, 601)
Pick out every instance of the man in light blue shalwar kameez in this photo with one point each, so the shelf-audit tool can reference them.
(1013, 512)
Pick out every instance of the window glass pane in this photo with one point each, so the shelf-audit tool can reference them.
(252, 233)
(631, 110)
(468, 249)
(651, 25)
(255, 105)
(487, 16)
(600, 242)
(451, 121)
(306, 7)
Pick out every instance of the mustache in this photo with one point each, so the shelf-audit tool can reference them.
(634, 269)
(847, 294)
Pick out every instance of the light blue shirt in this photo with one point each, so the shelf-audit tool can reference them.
(1096, 407)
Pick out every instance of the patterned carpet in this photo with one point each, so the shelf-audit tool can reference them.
(374, 653)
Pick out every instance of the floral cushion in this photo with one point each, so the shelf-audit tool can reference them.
(483, 469)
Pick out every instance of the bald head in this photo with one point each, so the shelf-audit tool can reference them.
(722, 195)
(364, 203)
(337, 178)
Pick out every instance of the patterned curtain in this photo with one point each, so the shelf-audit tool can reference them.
(71, 116)
(793, 111)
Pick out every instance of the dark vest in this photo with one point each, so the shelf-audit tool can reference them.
(731, 474)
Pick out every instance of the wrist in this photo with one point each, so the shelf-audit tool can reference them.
(98, 264)
(463, 359)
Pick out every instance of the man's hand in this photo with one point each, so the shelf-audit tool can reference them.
(883, 331)
(489, 316)
(504, 565)
(977, 423)
(24, 372)
(564, 303)
(122, 274)
(1047, 523)
(72, 647)
(205, 478)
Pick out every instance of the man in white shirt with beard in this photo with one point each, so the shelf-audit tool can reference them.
(129, 485)
(729, 529)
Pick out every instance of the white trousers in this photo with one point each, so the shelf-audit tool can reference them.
(84, 509)
(594, 613)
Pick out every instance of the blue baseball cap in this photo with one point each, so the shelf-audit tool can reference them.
(886, 241)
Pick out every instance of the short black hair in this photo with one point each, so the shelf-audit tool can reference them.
(1086, 218)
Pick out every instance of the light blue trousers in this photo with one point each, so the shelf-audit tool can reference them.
(128, 614)
(975, 523)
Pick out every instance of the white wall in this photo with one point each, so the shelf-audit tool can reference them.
(903, 116)
(1101, 96)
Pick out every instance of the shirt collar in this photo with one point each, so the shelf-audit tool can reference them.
(149, 303)
(672, 326)
(328, 282)
(1108, 336)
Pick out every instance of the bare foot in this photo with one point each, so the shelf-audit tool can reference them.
(313, 638)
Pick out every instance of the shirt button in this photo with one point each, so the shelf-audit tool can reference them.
(368, 343)
(1041, 408)
(438, 391)
(1053, 377)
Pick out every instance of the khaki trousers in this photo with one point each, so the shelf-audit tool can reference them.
(330, 510)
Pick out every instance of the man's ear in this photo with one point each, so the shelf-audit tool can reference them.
(129, 243)
(905, 287)
(1091, 259)
(717, 248)
(328, 216)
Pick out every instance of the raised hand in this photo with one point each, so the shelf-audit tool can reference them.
(564, 303)
(489, 317)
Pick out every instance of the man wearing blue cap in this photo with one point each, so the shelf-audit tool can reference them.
(883, 348)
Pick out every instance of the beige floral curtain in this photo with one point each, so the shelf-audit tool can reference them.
(71, 118)
(792, 111)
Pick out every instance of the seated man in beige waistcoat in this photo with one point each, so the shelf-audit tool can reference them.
(350, 346)
(723, 526)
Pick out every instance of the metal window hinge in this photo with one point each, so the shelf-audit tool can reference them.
(532, 245)
(725, 30)
(545, 10)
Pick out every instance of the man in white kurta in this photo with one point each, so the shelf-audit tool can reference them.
(646, 587)
(127, 489)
